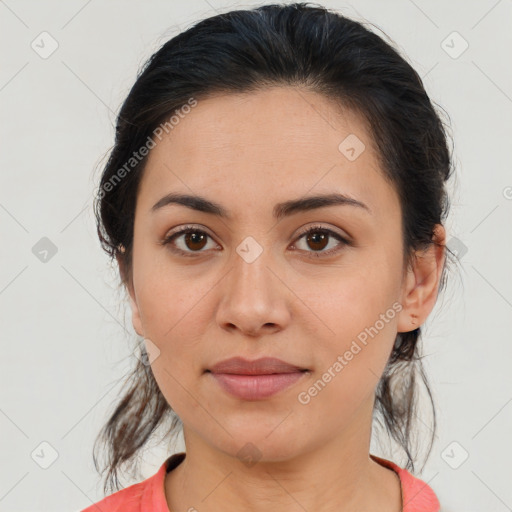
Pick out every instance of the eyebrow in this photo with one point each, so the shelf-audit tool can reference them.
(280, 210)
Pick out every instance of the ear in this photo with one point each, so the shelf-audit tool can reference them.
(421, 283)
(128, 283)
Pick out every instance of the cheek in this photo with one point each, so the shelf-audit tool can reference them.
(178, 387)
(357, 314)
(350, 362)
(176, 325)
(177, 310)
(168, 299)
(173, 305)
(353, 298)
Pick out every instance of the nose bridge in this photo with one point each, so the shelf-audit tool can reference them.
(250, 273)
(252, 295)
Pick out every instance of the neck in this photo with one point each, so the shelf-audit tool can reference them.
(336, 475)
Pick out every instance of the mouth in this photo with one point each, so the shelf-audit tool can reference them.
(256, 387)
(261, 366)
(255, 380)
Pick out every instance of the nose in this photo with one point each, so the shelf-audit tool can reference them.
(255, 301)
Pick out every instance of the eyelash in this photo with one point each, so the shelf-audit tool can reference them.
(312, 229)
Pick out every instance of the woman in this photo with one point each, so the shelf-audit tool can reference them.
(275, 200)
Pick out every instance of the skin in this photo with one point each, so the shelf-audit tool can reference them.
(249, 152)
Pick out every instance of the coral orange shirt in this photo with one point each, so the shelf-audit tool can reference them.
(149, 495)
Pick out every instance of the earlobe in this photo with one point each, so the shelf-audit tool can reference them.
(408, 317)
(421, 285)
(136, 317)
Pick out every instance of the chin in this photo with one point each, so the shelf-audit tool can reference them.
(257, 445)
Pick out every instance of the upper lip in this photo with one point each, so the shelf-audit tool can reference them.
(262, 366)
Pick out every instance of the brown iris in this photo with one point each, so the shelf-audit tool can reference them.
(316, 238)
(195, 238)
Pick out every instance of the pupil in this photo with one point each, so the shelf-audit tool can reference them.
(195, 238)
(318, 238)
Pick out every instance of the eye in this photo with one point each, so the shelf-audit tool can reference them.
(317, 237)
(193, 241)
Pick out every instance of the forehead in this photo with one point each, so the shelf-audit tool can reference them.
(266, 146)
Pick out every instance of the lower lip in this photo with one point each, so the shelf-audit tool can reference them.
(256, 387)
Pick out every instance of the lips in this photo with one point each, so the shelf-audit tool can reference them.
(262, 366)
(255, 380)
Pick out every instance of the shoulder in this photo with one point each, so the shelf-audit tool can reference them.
(417, 496)
(128, 500)
(146, 495)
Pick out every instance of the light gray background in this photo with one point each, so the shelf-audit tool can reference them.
(64, 347)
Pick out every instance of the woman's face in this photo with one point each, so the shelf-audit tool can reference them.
(250, 284)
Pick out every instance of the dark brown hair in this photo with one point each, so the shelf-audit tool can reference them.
(247, 50)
